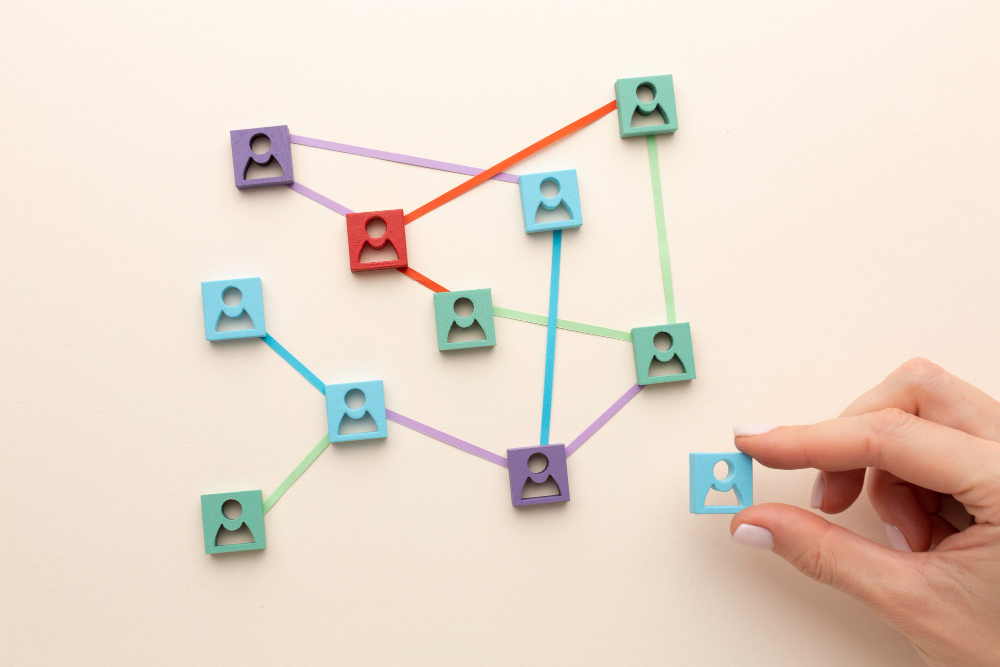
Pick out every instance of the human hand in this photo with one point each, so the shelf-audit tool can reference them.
(922, 435)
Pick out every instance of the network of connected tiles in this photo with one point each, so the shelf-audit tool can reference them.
(356, 410)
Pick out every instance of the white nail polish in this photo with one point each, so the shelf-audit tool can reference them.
(896, 538)
(819, 487)
(751, 429)
(755, 537)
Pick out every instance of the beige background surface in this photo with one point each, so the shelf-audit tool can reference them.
(832, 210)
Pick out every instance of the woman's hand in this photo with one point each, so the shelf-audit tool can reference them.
(921, 435)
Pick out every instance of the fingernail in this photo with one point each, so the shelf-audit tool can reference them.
(755, 537)
(896, 538)
(751, 429)
(819, 486)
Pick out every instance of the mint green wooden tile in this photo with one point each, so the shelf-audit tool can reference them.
(645, 352)
(626, 93)
(447, 319)
(214, 521)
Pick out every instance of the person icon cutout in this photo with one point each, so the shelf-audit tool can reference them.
(663, 353)
(464, 319)
(550, 201)
(375, 250)
(547, 487)
(233, 309)
(558, 212)
(225, 536)
(232, 297)
(649, 112)
(355, 400)
(233, 521)
(473, 331)
(355, 411)
(716, 496)
(262, 163)
(734, 481)
(646, 106)
(538, 475)
(262, 156)
(376, 240)
(664, 362)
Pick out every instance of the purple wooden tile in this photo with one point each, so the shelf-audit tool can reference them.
(243, 156)
(521, 475)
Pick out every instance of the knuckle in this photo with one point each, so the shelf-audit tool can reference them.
(919, 371)
(888, 421)
(882, 426)
(816, 562)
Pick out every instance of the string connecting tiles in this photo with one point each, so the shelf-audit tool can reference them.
(550, 204)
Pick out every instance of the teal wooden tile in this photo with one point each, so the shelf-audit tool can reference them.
(567, 198)
(215, 522)
(216, 311)
(649, 358)
(629, 105)
(448, 319)
(703, 481)
(339, 414)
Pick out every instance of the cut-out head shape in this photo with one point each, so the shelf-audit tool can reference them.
(232, 509)
(549, 190)
(375, 228)
(463, 307)
(355, 401)
(231, 514)
(354, 404)
(465, 312)
(259, 152)
(663, 346)
(725, 476)
(231, 522)
(648, 103)
(260, 144)
(648, 110)
(232, 300)
(537, 463)
(233, 316)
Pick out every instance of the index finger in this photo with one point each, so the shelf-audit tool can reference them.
(925, 389)
(919, 451)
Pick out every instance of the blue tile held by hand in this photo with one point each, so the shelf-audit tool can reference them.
(736, 485)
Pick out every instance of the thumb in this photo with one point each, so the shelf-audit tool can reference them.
(828, 553)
